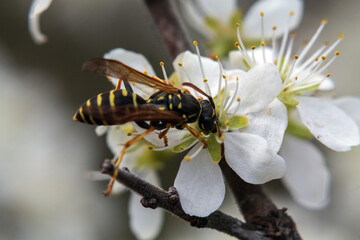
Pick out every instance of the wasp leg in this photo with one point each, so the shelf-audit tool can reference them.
(163, 134)
(196, 134)
(128, 87)
(118, 86)
(126, 146)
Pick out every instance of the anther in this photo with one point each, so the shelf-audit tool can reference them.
(237, 25)
(227, 123)
(324, 21)
(150, 148)
(323, 58)
(291, 13)
(205, 80)
(274, 28)
(237, 44)
(161, 64)
(238, 99)
(341, 36)
(262, 44)
(253, 48)
(337, 53)
(195, 43)
(296, 57)
(262, 14)
(328, 75)
(187, 158)
(224, 76)
(146, 73)
(180, 64)
(221, 138)
(129, 134)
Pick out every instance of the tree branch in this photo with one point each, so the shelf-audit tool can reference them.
(168, 27)
(154, 197)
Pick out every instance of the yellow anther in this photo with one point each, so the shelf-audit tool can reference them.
(202, 134)
(216, 58)
(341, 36)
(323, 58)
(129, 134)
(221, 138)
(227, 123)
(316, 59)
(195, 43)
(262, 14)
(218, 105)
(237, 25)
(293, 35)
(274, 28)
(296, 57)
(324, 21)
(253, 48)
(224, 76)
(180, 64)
(146, 73)
(150, 148)
(237, 78)
(237, 44)
(187, 158)
(328, 75)
(326, 43)
(337, 53)
(161, 64)
(296, 78)
(205, 80)
(262, 44)
(238, 99)
(291, 13)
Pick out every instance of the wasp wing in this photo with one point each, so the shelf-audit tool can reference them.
(116, 69)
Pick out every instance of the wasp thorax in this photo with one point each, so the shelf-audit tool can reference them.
(207, 117)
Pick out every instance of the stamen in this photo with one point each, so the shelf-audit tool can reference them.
(262, 27)
(219, 88)
(314, 70)
(313, 39)
(199, 148)
(234, 95)
(273, 42)
(164, 72)
(337, 53)
(224, 97)
(207, 87)
(199, 57)
(284, 41)
(253, 54)
(288, 75)
(262, 44)
(178, 143)
(187, 76)
(236, 109)
(241, 47)
(334, 45)
(288, 52)
(220, 140)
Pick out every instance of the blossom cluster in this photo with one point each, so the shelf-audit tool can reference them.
(269, 103)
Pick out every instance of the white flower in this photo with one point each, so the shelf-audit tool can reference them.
(249, 151)
(222, 13)
(144, 223)
(307, 176)
(36, 9)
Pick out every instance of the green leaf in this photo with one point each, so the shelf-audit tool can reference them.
(214, 148)
(287, 99)
(237, 122)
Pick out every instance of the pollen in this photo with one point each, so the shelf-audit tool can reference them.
(205, 80)
(274, 28)
(291, 13)
(180, 64)
(323, 58)
(293, 35)
(262, 44)
(227, 123)
(328, 75)
(221, 138)
(217, 58)
(237, 25)
(146, 73)
(238, 99)
(296, 57)
(337, 53)
(262, 14)
(341, 36)
(237, 44)
(324, 21)
(187, 158)
(150, 148)
(195, 43)
(161, 63)
(253, 47)
(224, 76)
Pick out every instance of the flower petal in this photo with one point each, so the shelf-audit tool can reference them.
(220, 10)
(330, 125)
(350, 105)
(101, 130)
(115, 139)
(136, 61)
(145, 223)
(258, 88)
(276, 13)
(270, 124)
(307, 177)
(200, 185)
(251, 158)
(191, 68)
(36, 9)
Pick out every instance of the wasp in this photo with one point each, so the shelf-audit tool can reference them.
(169, 107)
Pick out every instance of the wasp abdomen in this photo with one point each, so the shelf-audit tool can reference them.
(103, 108)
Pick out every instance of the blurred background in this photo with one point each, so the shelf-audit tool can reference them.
(44, 154)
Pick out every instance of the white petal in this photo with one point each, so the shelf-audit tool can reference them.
(327, 84)
(276, 13)
(115, 139)
(270, 124)
(36, 9)
(259, 87)
(173, 136)
(200, 185)
(351, 106)
(145, 223)
(101, 130)
(330, 125)
(307, 177)
(251, 158)
(191, 66)
(237, 61)
(220, 10)
(136, 61)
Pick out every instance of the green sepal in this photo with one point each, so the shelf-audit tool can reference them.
(153, 159)
(288, 99)
(181, 147)
(237, 122)
(298, 130)
(174, 80)
(214, 148)
(308, 89)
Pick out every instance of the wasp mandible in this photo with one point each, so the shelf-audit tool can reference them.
(169, 107)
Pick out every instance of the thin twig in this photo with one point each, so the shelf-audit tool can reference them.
(154, 197)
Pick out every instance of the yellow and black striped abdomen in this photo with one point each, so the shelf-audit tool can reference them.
(107, 108)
